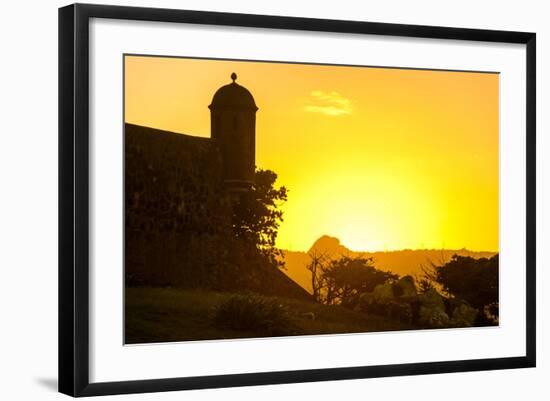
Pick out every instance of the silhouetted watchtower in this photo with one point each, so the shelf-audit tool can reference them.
(233, 127)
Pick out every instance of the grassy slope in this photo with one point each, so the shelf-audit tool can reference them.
(170, 314)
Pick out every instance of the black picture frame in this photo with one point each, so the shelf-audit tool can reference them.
(74, 198)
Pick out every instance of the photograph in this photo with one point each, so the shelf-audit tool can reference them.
(269, 199)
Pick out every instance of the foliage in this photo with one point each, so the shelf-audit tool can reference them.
(424, 284)
(263, 316)
(341, 281)
(257, 215)
(472, 280)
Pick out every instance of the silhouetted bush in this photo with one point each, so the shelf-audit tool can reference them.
(263, 316)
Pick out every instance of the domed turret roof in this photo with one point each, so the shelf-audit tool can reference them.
(233, 96)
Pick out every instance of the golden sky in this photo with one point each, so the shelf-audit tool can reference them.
(383, 159)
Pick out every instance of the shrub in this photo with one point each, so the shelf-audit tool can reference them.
(263, 316)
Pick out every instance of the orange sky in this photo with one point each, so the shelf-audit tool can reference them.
(383, 159)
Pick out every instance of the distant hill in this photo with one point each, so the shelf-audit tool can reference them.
(403, 262)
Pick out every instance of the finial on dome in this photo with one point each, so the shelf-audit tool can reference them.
(233, 77)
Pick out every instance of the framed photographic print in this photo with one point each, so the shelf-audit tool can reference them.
(250, 199)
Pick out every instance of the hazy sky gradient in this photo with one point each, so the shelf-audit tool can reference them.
(383, 159)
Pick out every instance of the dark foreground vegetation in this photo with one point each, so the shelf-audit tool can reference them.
(462, 292)
(172, 314)
(351, 296)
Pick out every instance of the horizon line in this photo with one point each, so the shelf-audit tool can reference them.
(399, 250)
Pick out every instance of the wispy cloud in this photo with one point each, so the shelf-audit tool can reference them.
(329, 103)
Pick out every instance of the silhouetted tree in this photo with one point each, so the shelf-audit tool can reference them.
(317, 265)
(469, 279)
(257, 215)
(348, 277)
(340, 281)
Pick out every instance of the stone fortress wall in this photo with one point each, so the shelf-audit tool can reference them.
(178, 217)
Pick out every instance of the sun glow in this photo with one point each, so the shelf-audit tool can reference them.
(383, 159)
